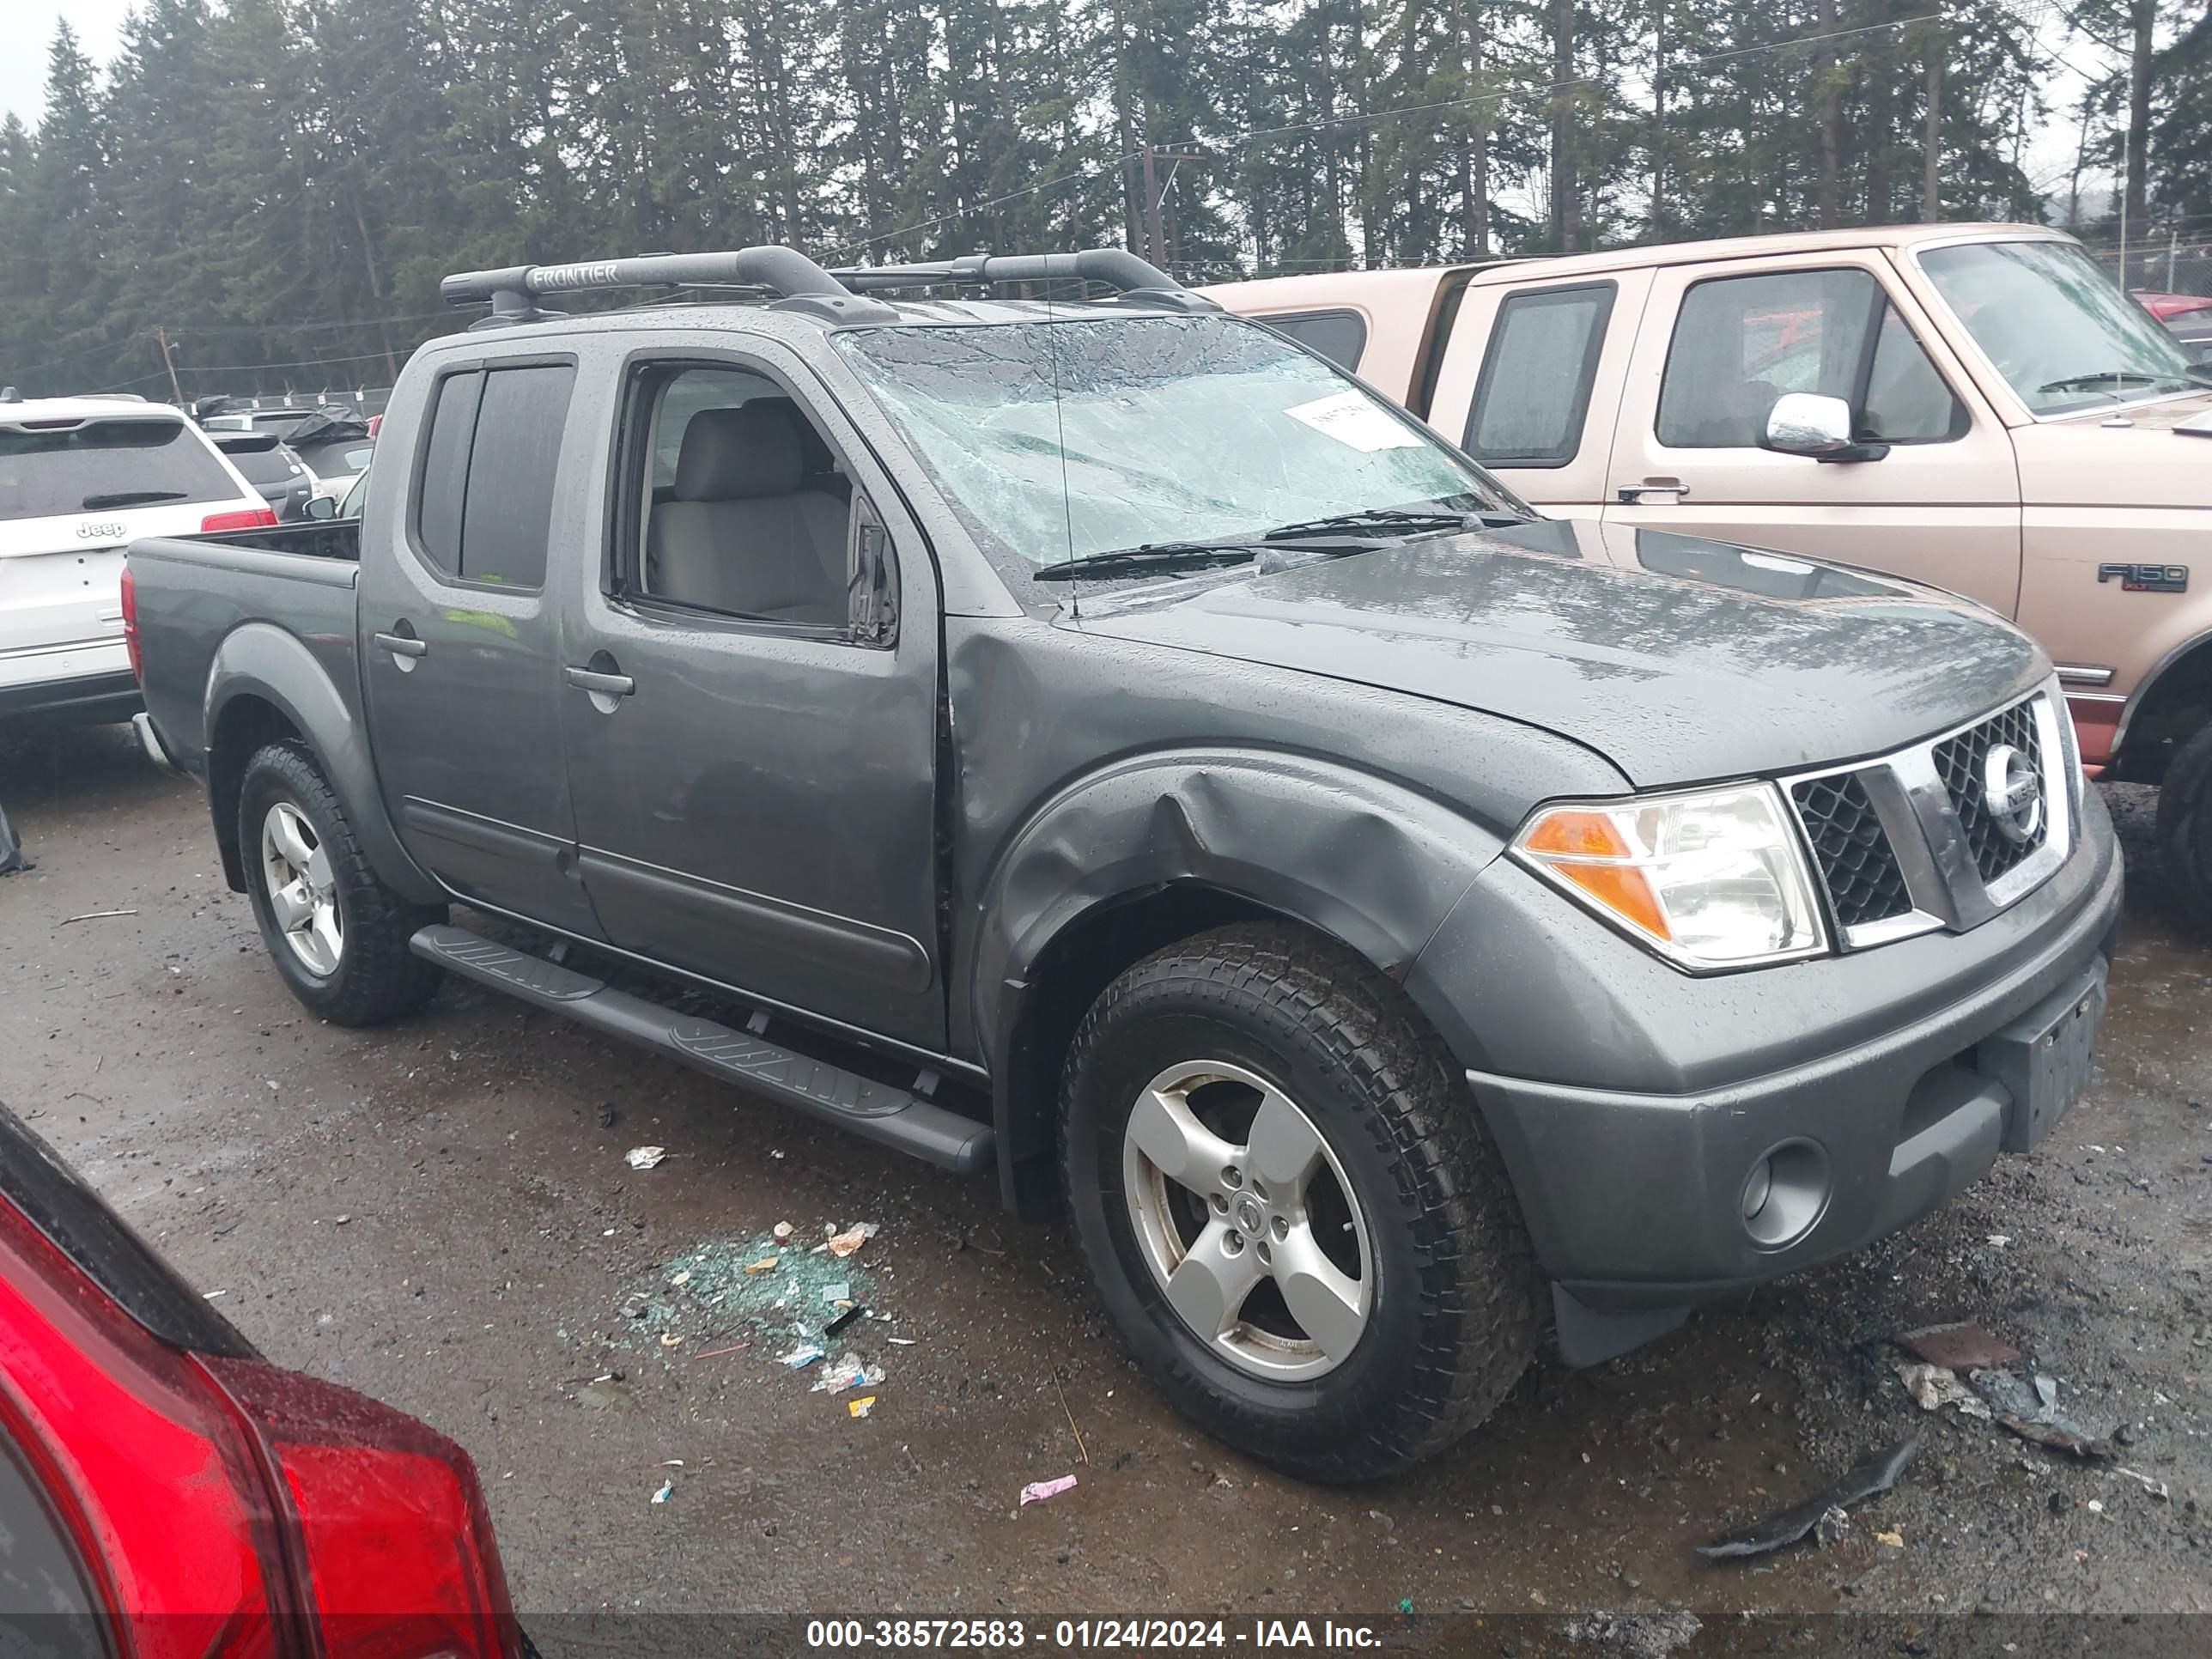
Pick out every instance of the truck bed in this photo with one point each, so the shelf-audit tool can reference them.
(233, 602)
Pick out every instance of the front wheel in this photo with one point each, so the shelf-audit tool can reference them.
(2184, 828)
(337, 934)
(1285, 1195)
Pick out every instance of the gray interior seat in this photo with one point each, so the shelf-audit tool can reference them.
(740, 533)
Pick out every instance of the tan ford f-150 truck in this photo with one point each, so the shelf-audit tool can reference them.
(1976, 406)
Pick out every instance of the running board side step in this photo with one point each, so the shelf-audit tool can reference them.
(890, 1116)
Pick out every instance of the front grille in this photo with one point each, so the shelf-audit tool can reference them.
(1857, 862)
(1960, 762)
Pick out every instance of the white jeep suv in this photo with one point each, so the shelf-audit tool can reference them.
(80, 477)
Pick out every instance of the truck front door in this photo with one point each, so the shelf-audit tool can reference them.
(460, 646)
(754, 758)
(1720, 343)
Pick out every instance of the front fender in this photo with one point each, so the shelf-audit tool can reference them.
(262, 661)
(1371, 863)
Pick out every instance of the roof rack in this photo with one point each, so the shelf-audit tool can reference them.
(1117, 267)
(797, 284)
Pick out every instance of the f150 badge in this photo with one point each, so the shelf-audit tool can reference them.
(2146, 578)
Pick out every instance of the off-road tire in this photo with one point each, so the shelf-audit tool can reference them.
(2184, 828)
(1455, 1321)
(378, 979)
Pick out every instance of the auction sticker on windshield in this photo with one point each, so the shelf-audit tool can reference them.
(1351, 418)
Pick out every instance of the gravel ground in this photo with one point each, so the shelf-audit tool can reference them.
(439, 1214)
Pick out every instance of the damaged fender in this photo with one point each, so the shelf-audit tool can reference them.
(1372, 863)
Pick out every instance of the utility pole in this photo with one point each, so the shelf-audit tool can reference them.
(1156, 241)
(1931, 190)
(169, 363)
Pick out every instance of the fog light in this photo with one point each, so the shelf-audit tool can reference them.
(1786, 1193)
(1757, 1187)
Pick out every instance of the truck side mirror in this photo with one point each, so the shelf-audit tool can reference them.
(872, 594)
(1807, 423)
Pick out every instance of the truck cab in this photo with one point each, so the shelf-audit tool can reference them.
(1976, 406)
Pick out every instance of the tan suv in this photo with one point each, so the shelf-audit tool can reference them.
(1975, 406)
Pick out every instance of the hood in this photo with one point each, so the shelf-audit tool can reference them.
(1676, 657)
(2081, 462)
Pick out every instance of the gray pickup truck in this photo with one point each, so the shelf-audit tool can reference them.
(1102, 742)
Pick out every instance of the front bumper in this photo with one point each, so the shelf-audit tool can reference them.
(1886, 1062)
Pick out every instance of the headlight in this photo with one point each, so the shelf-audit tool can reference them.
(1711, 879)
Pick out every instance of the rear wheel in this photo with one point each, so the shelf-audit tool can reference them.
(2184, 828)
(1282, 1191)
(337, 934)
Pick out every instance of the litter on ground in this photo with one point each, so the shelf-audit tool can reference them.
(842, 1320)
(1961, 1346)
(1934, 1387)
(2156, 1488)
(644, 1157)
(666, 1487)
(841, 1291)
(2030, 1410)
(1037, 1491)
(861, 1407)
(765, 1265)
(849, 1372)
(802, 1356)
(844, 1244)
(1824, 1512)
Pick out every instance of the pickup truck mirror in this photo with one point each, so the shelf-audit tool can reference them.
(1807, 423)
(872, 596)
(320, 507)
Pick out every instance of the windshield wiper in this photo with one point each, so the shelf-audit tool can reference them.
(1392, 521)
(132, 498)
(2087, 382)
(1153, 555)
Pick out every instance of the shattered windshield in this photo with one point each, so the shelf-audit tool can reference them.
(1087, 435)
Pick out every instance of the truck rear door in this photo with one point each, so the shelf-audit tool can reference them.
(1720, 341)
(1531, 377)
(460, 646)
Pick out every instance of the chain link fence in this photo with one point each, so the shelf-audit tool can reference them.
(2166, 264)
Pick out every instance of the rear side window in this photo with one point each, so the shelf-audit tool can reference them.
(486, 502)
(90, 466)
(1339, 336)
(1535, 391)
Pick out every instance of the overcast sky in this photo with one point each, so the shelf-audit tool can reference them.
(27, 29)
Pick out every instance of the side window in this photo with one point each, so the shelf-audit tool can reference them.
(445, 470)
(510, 501)
(744, 508)
(1534, 392)
(1742, 342)
(1339, 336)
(484, 506)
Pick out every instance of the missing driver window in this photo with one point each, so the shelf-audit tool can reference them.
(747, 511)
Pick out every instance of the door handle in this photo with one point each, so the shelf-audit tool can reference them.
(402, 645)
(600, 684)
(1632, 494)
